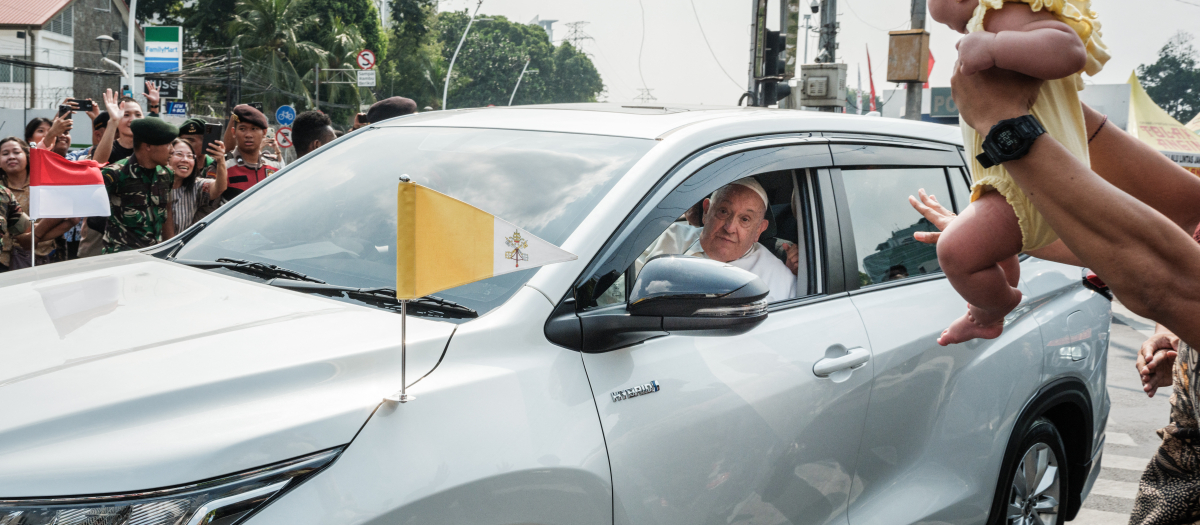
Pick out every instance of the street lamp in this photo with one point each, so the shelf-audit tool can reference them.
(446, 89)
(523, 71)
(106, 42)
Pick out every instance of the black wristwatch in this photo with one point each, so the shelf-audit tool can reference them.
(1010, 140)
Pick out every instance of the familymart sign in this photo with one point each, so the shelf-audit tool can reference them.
(164, 49)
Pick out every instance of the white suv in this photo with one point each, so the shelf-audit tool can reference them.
(237, 373)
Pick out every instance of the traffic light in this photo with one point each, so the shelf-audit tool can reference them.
(774, 87)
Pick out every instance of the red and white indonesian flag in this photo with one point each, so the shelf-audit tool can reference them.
(60, 188)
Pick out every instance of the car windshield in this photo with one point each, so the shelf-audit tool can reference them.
(334, 216)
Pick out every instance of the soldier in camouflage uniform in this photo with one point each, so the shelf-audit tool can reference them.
(139, 188)
(12, 221)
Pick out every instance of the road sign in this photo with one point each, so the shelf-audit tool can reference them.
(283, 137)
(366, 59)
(941, 103)
(177, 108)
(285, 115)
(366, 78)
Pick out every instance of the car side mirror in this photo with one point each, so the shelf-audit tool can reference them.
(679, 295)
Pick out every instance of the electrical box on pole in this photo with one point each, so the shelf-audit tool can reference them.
(823, 86)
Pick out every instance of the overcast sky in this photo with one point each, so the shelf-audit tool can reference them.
(677, 65)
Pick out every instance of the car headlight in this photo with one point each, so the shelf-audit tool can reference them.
(222, 501)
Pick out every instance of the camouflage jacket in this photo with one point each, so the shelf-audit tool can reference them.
(139, 200)
(13, 221)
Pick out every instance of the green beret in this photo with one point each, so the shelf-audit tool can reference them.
(192, 126)
(153, 131)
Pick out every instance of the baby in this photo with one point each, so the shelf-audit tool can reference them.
(1056, 41)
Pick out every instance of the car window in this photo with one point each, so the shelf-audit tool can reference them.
(883, 222)
(683, 237)
(960, 187)
(333, 217)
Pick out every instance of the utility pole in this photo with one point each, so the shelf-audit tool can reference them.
(317, 77)
(758, 36)
(827, 53)
(912, 105)
(132, 46)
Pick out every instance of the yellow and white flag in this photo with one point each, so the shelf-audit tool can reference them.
(442, 242)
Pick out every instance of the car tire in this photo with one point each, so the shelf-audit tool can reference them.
(1033, 484)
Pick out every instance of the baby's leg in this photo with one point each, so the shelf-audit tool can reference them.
(975, 251)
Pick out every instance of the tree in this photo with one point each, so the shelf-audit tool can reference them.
(494, 54)
(267, 32)
(358, 14)
(1174, 80)
(415, 63)
(205, 24)
(343, 43)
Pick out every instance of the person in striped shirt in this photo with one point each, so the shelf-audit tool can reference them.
(190, 192)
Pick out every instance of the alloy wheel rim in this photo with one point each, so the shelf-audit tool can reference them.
(1036, 488)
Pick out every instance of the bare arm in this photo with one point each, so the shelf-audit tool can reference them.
(1139, 252)
(217, 151)
(1019, 39)
(115, 112)
(227, 137)
(61, 125)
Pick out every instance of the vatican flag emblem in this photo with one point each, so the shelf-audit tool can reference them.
(442, 242)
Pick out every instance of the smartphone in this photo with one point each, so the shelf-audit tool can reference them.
(64, 110)
(84, 104)
(361, 119)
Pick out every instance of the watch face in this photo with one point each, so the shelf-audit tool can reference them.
(1008, 141)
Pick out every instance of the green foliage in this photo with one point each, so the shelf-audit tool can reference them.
(160, 12)
(415, 66)
(341, 101)
(495, 52)
(267, 32)
(205, 23)
(1174, 80)
(358, 14)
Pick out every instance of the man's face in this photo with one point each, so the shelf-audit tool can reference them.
(62, 144)
(98, 134)
(197, 143)
(133, 111)
(732, 224)
(249, 137)
(159, 155)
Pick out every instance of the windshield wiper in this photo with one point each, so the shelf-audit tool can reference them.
(254, 268)
(380, 297)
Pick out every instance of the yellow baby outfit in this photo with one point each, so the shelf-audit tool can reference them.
(1057, 108)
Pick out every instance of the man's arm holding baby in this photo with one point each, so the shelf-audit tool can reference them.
(1022, 40)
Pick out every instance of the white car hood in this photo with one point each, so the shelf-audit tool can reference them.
(125, 373)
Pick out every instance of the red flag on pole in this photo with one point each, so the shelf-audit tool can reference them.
(871, 75)
(930, 69)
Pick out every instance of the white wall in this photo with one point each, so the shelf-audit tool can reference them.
(49, 87)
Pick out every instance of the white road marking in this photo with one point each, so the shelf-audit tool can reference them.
(1115, 489)
(1123, 462)
(1100, 517)
(1120, 438)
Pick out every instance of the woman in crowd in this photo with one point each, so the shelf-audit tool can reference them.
(14, 176)
(36, 129)
(190, 192)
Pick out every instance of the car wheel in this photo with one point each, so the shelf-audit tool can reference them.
(1033, 485)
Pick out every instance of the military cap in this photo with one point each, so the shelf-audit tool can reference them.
(153, 131)
(391, 107)
(248, 114)
(192, 126)
(100, 121)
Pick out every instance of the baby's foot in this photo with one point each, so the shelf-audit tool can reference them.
(967, 327)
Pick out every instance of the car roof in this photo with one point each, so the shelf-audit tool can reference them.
(656, 121)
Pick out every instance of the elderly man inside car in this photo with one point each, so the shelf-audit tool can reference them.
(734, 217)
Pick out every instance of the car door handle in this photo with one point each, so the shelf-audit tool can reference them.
(854, 358)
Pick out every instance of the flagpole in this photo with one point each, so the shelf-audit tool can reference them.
(32, 244)
(403, 350)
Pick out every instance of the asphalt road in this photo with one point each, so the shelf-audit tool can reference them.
(1131, 424)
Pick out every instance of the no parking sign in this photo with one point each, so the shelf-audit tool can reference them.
(283, 137)
(366, 59)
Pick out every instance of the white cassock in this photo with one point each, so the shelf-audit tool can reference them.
(759, 261)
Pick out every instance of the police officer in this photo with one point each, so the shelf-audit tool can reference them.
(247, 166)
(139, 187)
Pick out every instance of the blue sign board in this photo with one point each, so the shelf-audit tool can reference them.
(177, 108)
(285, 115)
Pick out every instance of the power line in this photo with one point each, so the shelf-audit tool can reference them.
(645, 97)
(710, 49)
(872, 26)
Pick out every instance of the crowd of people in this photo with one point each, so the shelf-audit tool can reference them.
(160, 178)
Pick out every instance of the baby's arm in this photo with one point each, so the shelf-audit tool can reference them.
(1019, 39)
